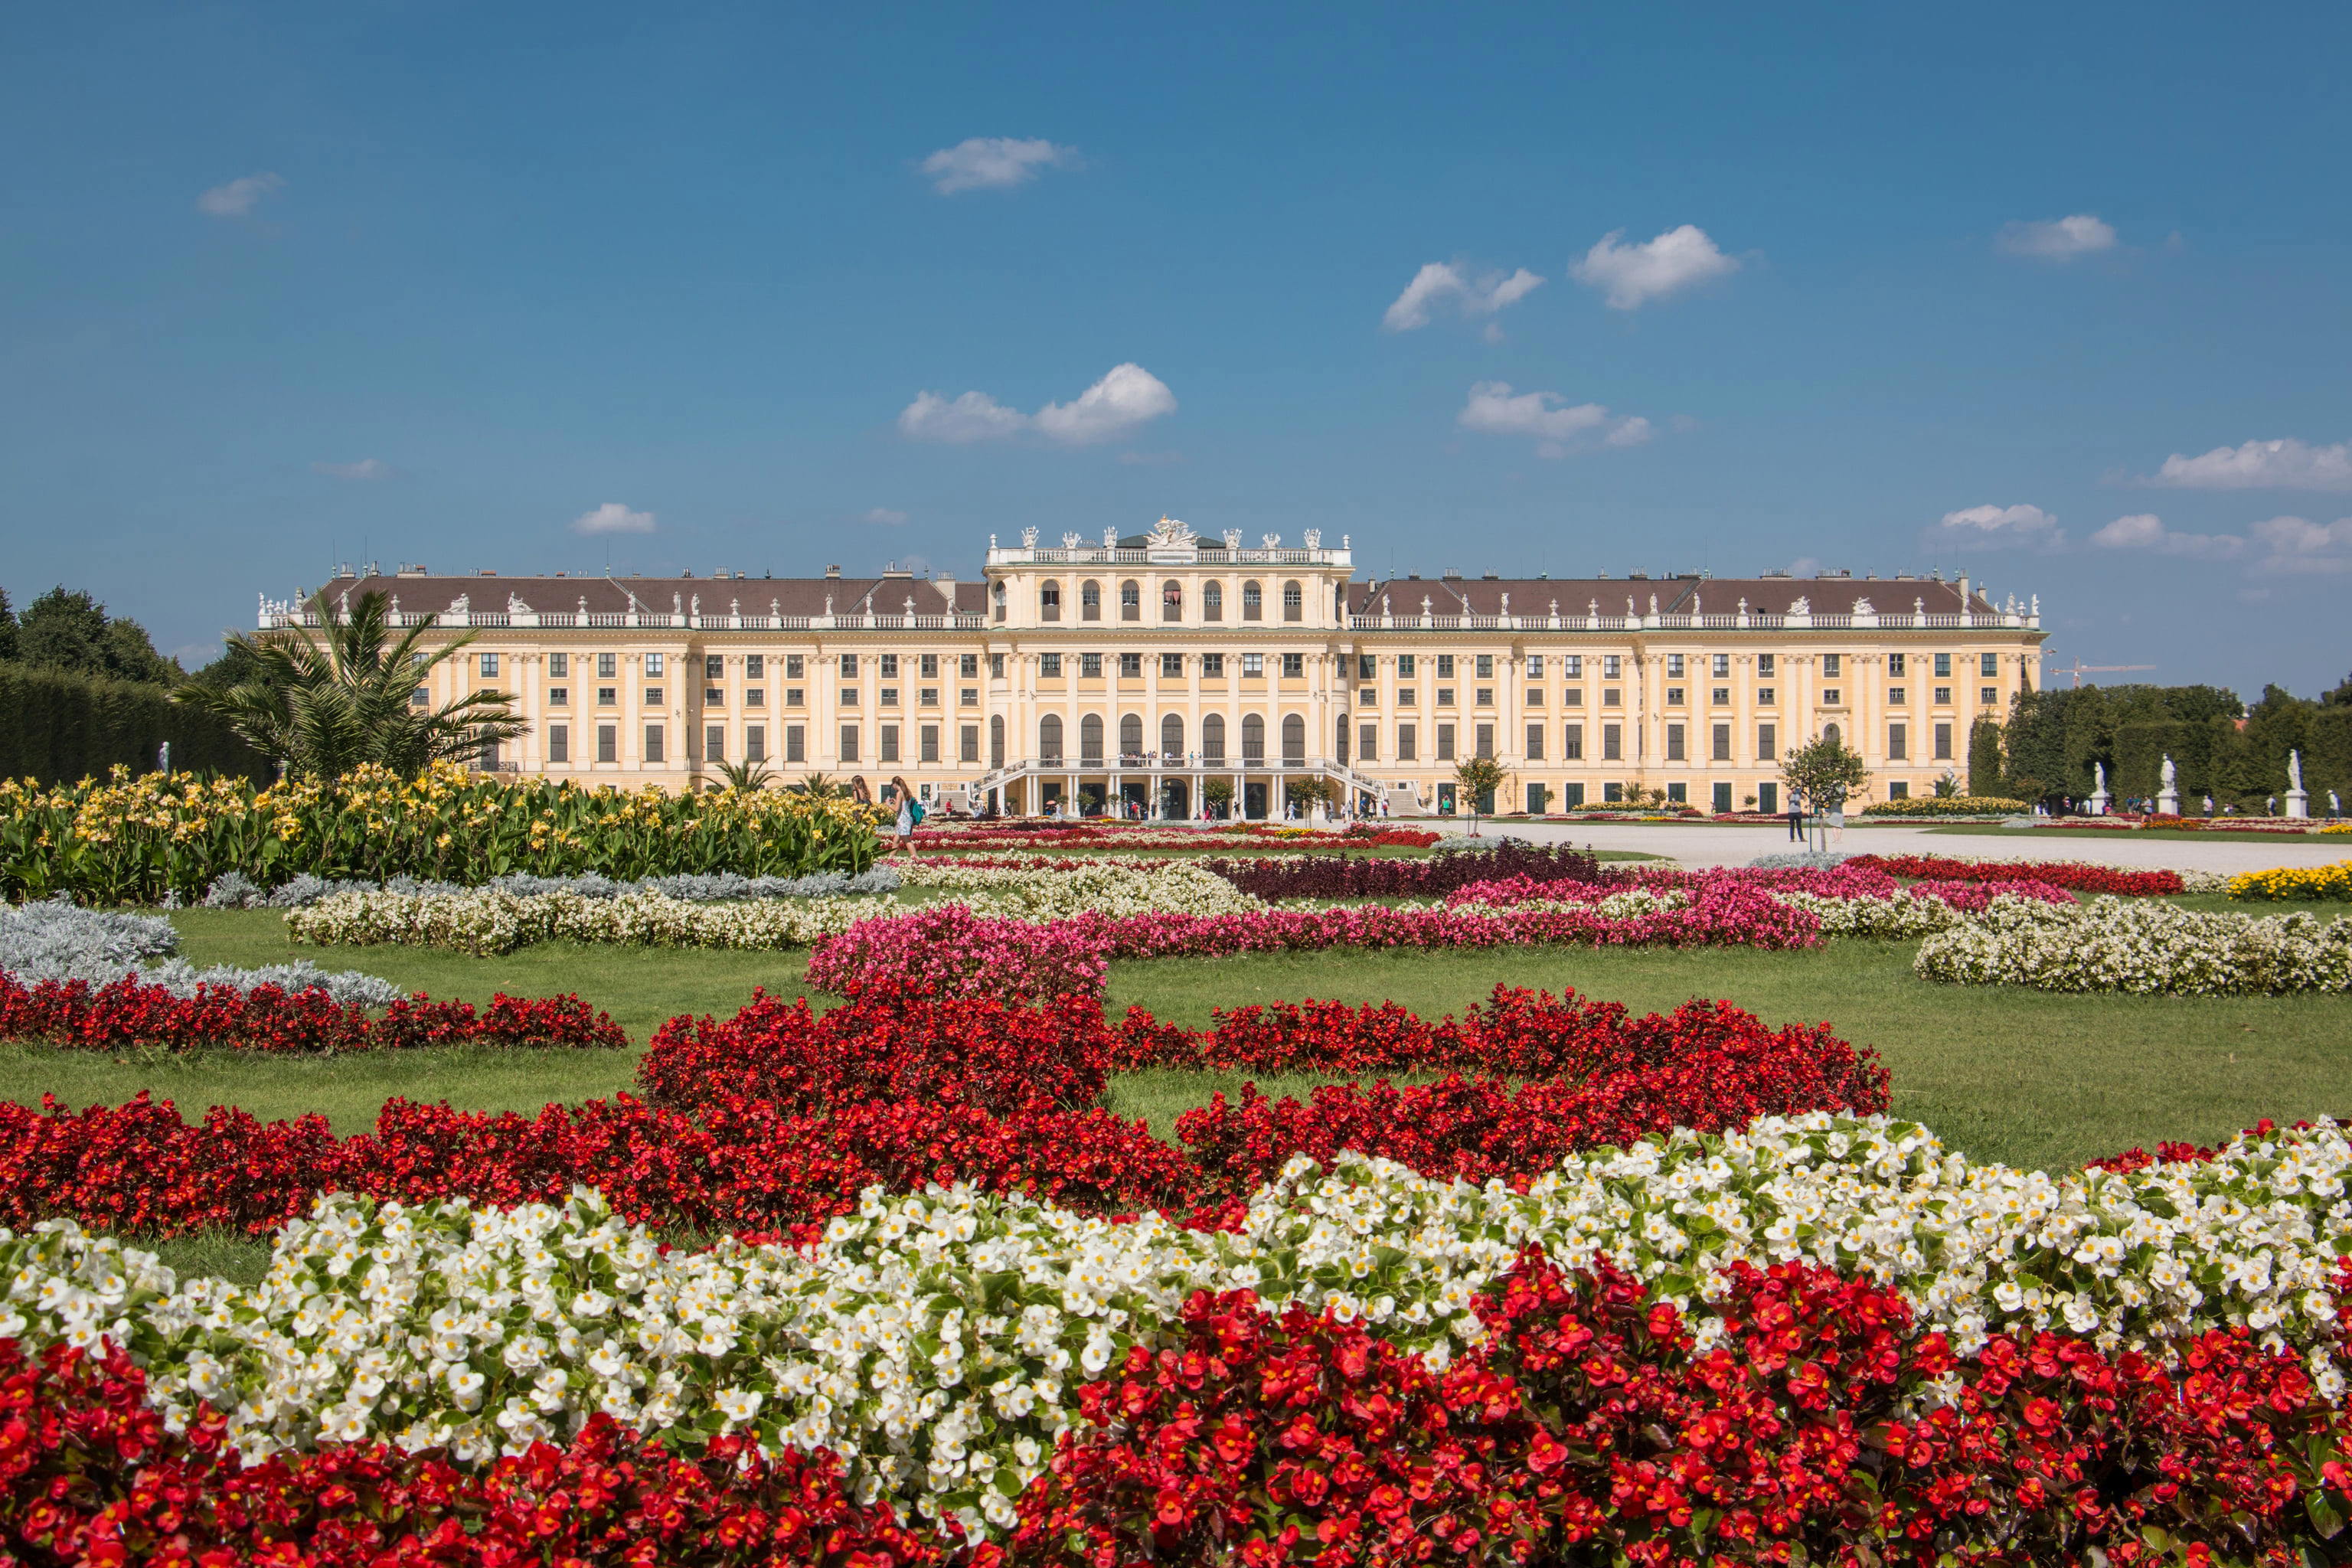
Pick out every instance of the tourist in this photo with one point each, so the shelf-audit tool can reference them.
(1796, 817)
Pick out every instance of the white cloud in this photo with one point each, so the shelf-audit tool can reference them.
(2057, 239)
(239, 196)
(1127, 398)
(974, 416)
(2299, 546)
(2145, 531)
(885, 517)
(365, 468)
(1999, 528)
(613, 518)
(1493, 409)
(994, 162)
(2286, 465)
(1634, 275)
(1481, 295)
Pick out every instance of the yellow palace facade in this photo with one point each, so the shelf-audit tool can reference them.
(1136, 671)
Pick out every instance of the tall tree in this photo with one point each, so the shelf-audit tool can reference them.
(326, 704)
(8, 629)
(67, 629)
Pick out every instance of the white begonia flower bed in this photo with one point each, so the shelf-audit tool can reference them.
(938, 1341)
(2141, 945)
(1163, 887)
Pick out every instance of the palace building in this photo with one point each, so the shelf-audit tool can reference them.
(1141, 669)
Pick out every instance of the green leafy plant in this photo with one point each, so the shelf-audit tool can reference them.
(1478, 777)
(746, 778)
(1825, 771)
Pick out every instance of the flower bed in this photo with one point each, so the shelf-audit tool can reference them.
(944, 1343)
(55, 940)
(1362, 876)
(128, 1014)
(1949, 805)
(1262, 837)
(235, 890)
(487, 923)
(135, 841)
(2148, 948)
(1850, 899)
(2306, 883)
(1173, 887)
(2081, 875)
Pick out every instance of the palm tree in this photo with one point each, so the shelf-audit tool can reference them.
(746, 778)
(326, 704)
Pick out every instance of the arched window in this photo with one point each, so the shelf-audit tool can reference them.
(1293, 602)
(1213, 739)
(1090, 737)
(1253, 740)
(1252, 602)
(1829, 733)
(1049, 738)
(1090, 601)
(1130, 737)
(1000, 601)
(1171, 600)
(1212, 602)
(1049, 601)
(1341, 752)
(997, 740)
(1171, 738)
(1294, 742)
(1130, 600)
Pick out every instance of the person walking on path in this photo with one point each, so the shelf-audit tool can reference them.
(1796, 817)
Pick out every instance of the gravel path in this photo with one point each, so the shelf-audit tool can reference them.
(1705, 845)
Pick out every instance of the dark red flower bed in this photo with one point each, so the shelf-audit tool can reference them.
(1592, 1427)
(127, 1014)
(1366, 875)
(89, 1477)
(2057, 873)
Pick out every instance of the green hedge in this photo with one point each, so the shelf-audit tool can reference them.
(59, 727)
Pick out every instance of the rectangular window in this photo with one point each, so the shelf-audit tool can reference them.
(1171, 667)
(1367, 667)
(1767, 799)
(1445, 742)
(1830, 695)
(1612, 666)
(969, 697)
(929, 668)
(1406, 697)
(1720, 744)
(755, 666)
(755, 742)
(1898, 790)
(1943, 667)
(1485, 667)
(1832, 666)
(1723, 799)
(1720, 668)
(1253, 664)
(653, 695)
(714, 667)
(1571, 665)
(996, 666)
(1943, 697)
(1571, 795)
(1898, 743)
(1484, 694)
(1294, 666)
(559, 696)
(1612, 793)
(1572, 698)
(928, 740)
(559, 742)
(1613, 742)
(1368, 696)
(714, 742)
(608, 665)
(755, 697)
(795, 744)
(1445, 697)
(1534, 697)
(887, 751)
(1675, 743)
(714, 697)
(1679, 793)
(1445, 667)
(1612, 697)
(1674, 666)
(1768, 743)
(1404, 666)
(927, 697)
(1988, 695)
(792, 666)
(1535, 743)
(1090, 666)
(1405, 744)
(849, 743)
(849, 667)
(1766, 696)
(1130, 667)
(1894, 665)
(1535, 666)
(890, 666)
(1988, 665)
(653, 663)
(652, 742)
(608, 743)
(1213, 667)
(1571, 743)
(1764, 664)
(795, 696)
(1674, 695)
(889, 697)
(559, 665)
(968, 743)
(1943, 742)
(489, 664)
(1895, 696)
(1049, 666)
(1367, 743)
(1719, 696)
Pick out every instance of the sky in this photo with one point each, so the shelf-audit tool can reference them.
(2054, 296)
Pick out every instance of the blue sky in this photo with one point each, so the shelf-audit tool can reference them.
(2055, 295)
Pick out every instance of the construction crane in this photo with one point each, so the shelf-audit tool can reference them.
(2079, 669)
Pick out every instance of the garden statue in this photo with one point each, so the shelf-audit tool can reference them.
(2298, 803)
(2168, 792)
(2098, 800)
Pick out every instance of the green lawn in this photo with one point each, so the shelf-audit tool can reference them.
(2197, 835)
